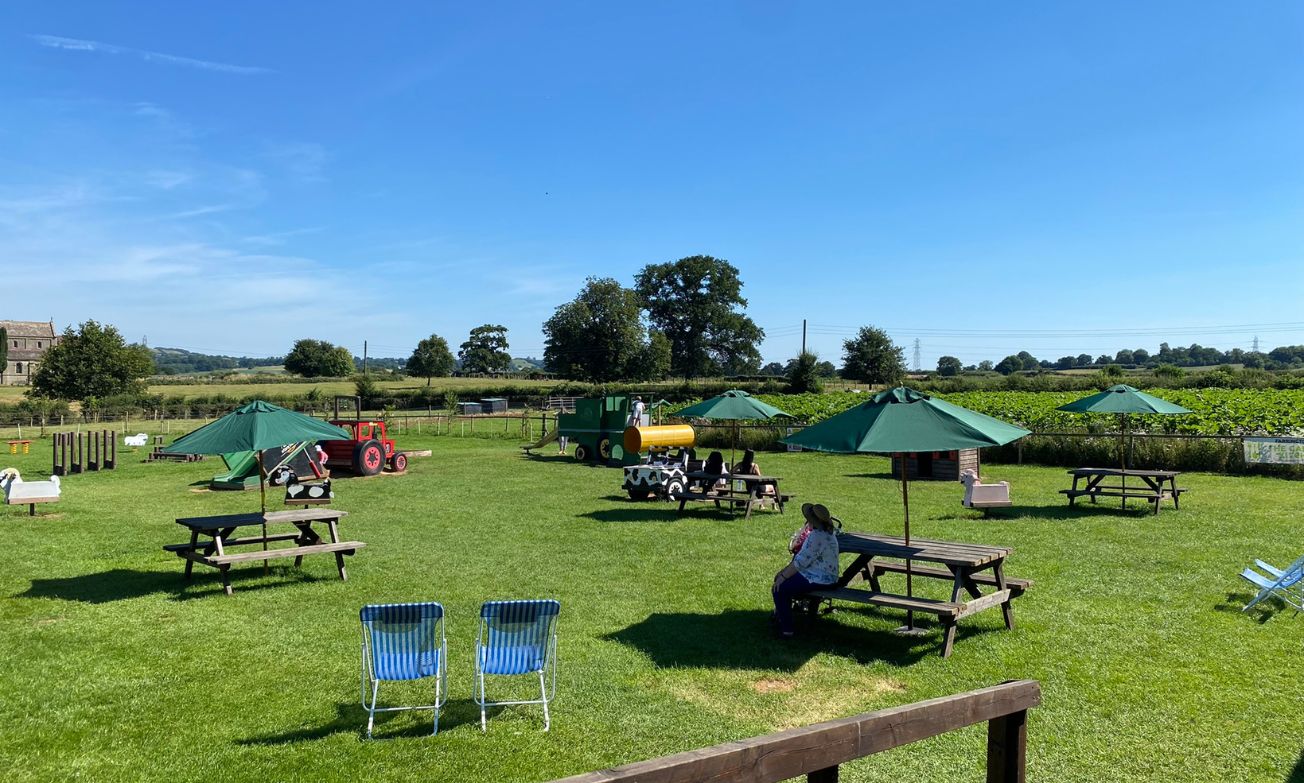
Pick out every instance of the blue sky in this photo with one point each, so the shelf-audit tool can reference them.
(229, 177)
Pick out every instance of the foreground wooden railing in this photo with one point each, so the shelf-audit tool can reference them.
(816, 751)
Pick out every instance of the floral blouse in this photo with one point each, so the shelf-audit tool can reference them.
(817, 560)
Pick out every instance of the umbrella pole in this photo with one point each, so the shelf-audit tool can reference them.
(262, 494)
(905, 500)
(909, 628)
(1122, 456)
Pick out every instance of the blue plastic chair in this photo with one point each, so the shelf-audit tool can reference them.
(402, 642)
(517, 638)
(1284, 583)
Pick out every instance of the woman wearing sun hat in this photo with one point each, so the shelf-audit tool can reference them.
(813, 567)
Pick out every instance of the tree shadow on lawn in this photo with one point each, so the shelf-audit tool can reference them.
(351, 718)
(742, 639)
(120, 584)
(1261, 612)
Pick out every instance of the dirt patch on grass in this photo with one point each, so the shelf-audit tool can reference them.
(814, 693)
(774, 685)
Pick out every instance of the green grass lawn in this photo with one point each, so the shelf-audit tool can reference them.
(117, 669)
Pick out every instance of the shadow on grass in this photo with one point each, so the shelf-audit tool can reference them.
(121, 584)
(1056, 511)
(633, 513)
(560, 459)
(1297, 772)
(351, 718)
(883, 474)
(741, 639)
(1261, 612)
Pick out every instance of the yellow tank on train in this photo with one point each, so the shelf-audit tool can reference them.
(665, 436)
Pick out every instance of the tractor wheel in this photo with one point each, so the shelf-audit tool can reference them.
(674, 489)
(604, 449)
(398, 462)
(581, 453)
(640, 493)
(368, 458)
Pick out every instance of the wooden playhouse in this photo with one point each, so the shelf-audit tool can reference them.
(937, 465)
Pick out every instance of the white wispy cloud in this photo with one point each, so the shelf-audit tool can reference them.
(82, 45)
(280, 237)
(305, 160)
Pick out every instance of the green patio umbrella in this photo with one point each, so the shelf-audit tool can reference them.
(899, 422)
(256, 426)
(1122, 399)
(734, 405)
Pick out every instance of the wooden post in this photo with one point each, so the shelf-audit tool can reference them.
(112, 461)
(1007, 748)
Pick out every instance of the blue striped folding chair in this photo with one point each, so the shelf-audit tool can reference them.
(517, 638)
(1286, 584)
(402, 642)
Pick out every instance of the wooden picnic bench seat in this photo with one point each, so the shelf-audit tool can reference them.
(944, 609)
(343, 547)
(1017, 587)
(186, 547)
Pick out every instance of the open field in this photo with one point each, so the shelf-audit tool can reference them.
(117, 669)
(287, 388)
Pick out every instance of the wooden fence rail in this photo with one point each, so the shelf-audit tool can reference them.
(816, 751)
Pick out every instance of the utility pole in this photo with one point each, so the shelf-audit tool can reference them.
(1256, 344)
(364, 357)
(917, 361)
(803, 335)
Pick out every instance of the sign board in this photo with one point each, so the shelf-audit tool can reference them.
(1274, 451)
(790, 446)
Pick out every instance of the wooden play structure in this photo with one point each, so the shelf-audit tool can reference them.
(77, 452)
(28, 493)
(937, 465)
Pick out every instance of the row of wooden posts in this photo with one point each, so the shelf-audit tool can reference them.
(76, 452)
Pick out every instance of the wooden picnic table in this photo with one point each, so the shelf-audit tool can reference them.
(219, 530)
(1154, 486)
(735, 491)
(967, 566)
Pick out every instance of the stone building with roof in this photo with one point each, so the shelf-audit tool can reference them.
(28, 342)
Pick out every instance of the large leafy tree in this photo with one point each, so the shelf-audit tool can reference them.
(872, 357)
(804, 374)
(319, 359)
(599, 335)
(431, 358)
(1008, 365)
(485, 349)
(92, 361)
(948, 366)
(696, 302)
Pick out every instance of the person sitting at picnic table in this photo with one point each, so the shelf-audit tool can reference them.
(814, 564)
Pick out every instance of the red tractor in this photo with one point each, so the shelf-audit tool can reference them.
(368, 451)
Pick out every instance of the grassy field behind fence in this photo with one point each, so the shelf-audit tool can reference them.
(117, 669)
